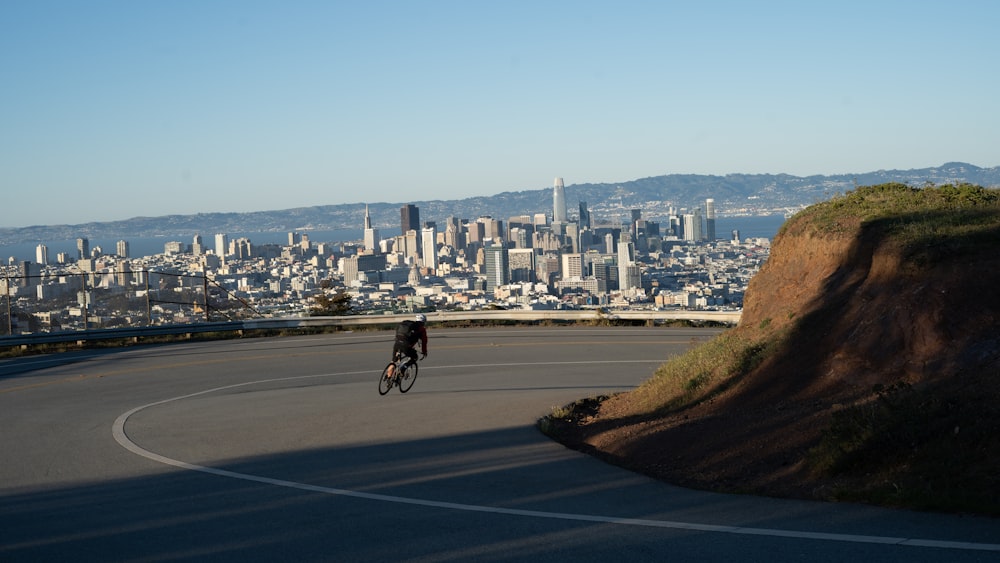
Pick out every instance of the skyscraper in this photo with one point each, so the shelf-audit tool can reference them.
(221, 244)
(522, 264)
(371, 233)
(121, 248)
(572, 266)
(429, 251)
(82, 248)
(42, 255)
(634, 215)
(558, 202)
(628, 271)
(689, 227)
(584, 216)
(497, 266)
(409, 219)
(409, 216)
(710, 219)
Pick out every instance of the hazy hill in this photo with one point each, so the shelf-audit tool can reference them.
(866, 365)
(735, 191)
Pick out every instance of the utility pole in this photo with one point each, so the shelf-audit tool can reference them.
(6, 290)
(86, 301)
(204, 283)
(149, 312)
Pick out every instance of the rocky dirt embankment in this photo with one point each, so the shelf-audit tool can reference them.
(881, 373)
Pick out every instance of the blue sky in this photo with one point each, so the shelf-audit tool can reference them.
(111, 110)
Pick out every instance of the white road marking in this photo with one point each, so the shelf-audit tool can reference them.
(118, 431)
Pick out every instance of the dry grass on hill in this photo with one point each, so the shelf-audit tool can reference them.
(866, 366)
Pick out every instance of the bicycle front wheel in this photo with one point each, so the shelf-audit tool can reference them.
(408, 378)
(384, 381)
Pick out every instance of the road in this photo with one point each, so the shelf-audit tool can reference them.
(281, 449)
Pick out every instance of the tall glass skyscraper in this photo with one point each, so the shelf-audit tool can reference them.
(82, 248)
(497, 266)
(710, 219)
(558, 202)
(584, 216)
(409, 216)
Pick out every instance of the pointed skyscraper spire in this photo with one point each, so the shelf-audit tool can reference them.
(371, 233)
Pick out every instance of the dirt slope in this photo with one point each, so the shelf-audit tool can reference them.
(858, 314)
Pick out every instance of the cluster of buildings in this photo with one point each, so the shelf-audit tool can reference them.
(541, 261)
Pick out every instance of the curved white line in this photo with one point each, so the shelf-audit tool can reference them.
(118, 431)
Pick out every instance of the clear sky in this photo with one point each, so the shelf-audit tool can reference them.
(116, 109)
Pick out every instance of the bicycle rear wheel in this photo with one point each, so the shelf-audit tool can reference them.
(408, 378)
(384, 381)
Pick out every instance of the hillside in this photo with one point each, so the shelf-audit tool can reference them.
(866, 365)
(745, 192)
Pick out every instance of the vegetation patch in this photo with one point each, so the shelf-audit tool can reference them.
(868, 371)
(700, 373)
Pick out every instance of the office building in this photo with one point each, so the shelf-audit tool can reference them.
(352, 266)
(710, 219)
(409, 219)
(558, 202)
(42, 255)
(522, 264)
(689, 230)
(28, 274)
(221, 244)
(454, 236)
(173, 247)
(628, 271)
(572, 266)
(82, 248)
(371, 233)
(123, 276)
(492, 228)
(122, 248)
(428, 238)
(497, 266)
(476, 233)
(197, 245)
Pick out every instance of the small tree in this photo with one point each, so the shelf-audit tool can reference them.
(337, 305)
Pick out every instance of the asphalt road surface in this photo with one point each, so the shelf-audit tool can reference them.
(281, 449)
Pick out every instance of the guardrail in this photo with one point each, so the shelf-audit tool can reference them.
(290, 323)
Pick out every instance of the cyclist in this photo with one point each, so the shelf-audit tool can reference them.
(408, 333)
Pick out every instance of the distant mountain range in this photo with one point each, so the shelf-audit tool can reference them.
(733, 193)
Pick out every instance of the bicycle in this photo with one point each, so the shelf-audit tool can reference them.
(402, 376)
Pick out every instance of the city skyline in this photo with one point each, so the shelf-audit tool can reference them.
(525, 261)
(125, 110)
